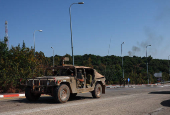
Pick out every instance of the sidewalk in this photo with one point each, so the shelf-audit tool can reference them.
(139, 85)
(118, 86)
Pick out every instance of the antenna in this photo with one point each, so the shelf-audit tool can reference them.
(107, 57)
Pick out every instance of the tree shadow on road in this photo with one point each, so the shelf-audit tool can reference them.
(160, 92)
(49, 100)
(166, 103)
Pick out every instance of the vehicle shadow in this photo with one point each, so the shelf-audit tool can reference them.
(163, 103)
(160, 92)
(49, 100)
(166, 103)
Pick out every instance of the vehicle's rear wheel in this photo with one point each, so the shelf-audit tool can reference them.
(31, 96)
(61, 93)
(96, 93)
(72, 95)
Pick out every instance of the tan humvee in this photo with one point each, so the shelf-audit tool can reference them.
(64, 82)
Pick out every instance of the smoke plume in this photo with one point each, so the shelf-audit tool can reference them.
(152, 39)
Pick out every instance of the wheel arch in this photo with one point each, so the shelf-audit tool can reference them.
(68, 84)
(103, 86)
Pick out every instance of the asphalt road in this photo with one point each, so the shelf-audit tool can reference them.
(116, 101)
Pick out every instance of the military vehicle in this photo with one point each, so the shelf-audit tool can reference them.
(64, 82)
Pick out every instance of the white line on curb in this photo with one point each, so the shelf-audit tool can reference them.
(20, 95)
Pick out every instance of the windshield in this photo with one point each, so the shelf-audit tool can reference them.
(60, 72)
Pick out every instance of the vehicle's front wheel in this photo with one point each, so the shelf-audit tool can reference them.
(61, 93)
(31, 96)
(96, 93)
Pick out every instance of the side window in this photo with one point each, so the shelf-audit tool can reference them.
(90, 72)
(80, 73)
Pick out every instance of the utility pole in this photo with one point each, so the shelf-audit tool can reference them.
(147, 63)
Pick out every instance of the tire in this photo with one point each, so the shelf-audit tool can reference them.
(96, 93)
(61, 93)
(72, 95)
(31, 96)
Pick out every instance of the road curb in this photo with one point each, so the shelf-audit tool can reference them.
(12, 95)
(134, 86)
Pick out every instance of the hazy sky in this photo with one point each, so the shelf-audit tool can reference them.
(136, 22)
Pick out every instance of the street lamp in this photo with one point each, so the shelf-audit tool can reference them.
(168, 65)
(34, 39)
(71, 29)
(147, 62)
(122, 60)
(53, 56)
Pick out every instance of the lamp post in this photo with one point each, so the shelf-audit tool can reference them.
(53, 56)
(168, 65)
(71, 29)
(122, 60)
(34, 39)
(147, 62)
